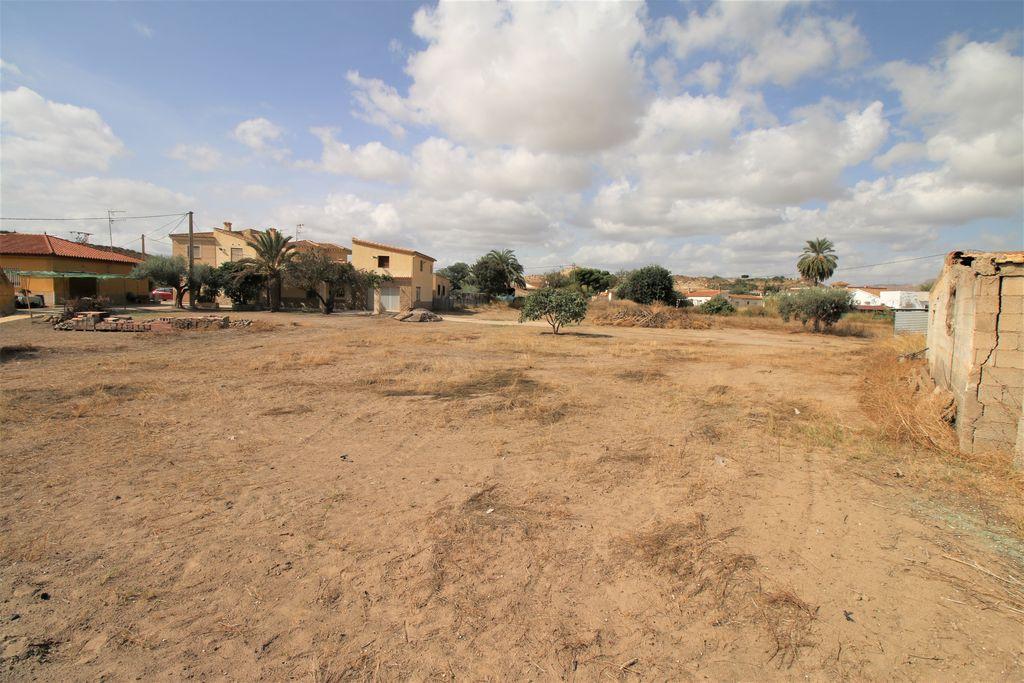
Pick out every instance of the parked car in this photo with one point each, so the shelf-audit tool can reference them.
(162, 294)
(30, 301)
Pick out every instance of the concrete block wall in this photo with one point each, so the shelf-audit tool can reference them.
(975, 335)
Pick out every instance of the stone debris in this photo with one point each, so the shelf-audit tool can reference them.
(418, 315)
(101, 321)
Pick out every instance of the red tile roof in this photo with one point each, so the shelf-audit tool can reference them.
(24, 244)
(705, 292)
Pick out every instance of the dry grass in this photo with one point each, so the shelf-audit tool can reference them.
(12, 351)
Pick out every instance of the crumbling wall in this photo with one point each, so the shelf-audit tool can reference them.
(976, 347)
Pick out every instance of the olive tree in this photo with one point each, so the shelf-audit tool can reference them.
(557, 306)
(823, 306)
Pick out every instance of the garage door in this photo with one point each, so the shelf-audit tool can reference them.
(390, 298)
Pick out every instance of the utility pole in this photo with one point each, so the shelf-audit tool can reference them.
(143, 245)
(191, 262)
(110, 224)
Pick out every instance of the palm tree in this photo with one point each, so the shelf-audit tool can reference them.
(819, 261)
(273, 252)
(508, 264)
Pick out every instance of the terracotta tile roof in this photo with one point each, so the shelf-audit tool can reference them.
(307, 244)
(705, 292)
(24, 244)
(386, 247)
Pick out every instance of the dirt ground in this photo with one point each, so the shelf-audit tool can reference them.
(355, 498)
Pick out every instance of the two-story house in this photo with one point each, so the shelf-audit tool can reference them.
(412, 275)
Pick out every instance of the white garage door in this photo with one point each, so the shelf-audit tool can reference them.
(390, 298)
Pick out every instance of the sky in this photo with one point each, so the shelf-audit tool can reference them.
(710, 138)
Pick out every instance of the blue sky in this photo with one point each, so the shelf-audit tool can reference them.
(710, 138)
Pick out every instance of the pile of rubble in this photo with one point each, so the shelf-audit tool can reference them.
(418, 315)
(103, 321)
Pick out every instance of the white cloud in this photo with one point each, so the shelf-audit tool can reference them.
(445, 169)
(708, 76)
(900, 153)
(687, 122)
(40, 134)
(372, 161)
(10, 68)
(261, 136)
(616, 255)
(740, 185)
(197, 157)
(547, 77)
(143, 30)
(971, 103)
(258, 191)
(775, 45)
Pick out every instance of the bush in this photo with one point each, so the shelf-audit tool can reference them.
(823, 306)
(557, 306)
(718, 305)
(647, 285)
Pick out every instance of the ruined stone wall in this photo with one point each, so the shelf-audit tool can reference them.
(976, 348)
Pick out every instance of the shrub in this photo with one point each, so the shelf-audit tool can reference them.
(647, 285)
(557, 306)
(241, 284)
(823, 306)
(592, 280)
(718, 305)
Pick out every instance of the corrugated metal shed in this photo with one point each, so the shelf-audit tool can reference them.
(910, 321)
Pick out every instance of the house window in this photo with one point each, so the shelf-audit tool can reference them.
(236, 253)
(421, 266)
(383, 261)
(197, 251)
(417, 294)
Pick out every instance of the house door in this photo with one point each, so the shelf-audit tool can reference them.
(81, 286)
(390, 298)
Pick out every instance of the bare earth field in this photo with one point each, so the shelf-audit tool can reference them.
(355, 498)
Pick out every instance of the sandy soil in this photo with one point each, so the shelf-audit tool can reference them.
(356, 498)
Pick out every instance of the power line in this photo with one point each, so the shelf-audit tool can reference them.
(886, 263)
(95, 218)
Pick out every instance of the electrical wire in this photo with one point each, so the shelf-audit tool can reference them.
(886, 263)
(96, 218)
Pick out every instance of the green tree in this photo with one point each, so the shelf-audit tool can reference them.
(241, 284)
(317, 274)
(498, 272)
(273, 252)
(741, 287)
(556, 279)
(457, 273)
(165, 271)
(818, 262)
(593, 280)
(208, 282)
(823, 306)
(649, 284)
(557, 306)
(717, 305)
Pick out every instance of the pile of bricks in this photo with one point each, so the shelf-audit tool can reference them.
(199, 322)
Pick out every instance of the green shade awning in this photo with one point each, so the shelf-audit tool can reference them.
(54, 273)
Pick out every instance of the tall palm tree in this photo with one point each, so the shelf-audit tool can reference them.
(819, 261)
(273, 253)
(509, 265)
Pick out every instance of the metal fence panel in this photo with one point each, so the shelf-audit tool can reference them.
(910, 321)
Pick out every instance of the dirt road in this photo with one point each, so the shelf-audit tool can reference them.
(355, 498)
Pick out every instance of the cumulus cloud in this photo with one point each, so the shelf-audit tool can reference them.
(197, 157)
(971, 104)
(445, 169)
(774, 44)
(40, 134)
(261, 136)
(544, 76)
(143, 30)
(372, 161)
(10, 68)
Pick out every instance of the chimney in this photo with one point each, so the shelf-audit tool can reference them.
(227, 225)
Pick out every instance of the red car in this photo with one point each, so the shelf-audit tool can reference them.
(162, 294)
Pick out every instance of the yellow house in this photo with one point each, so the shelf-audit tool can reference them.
(412, 273)
(222, 245)
(442, 286)
(59, 269)
(6, 295)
